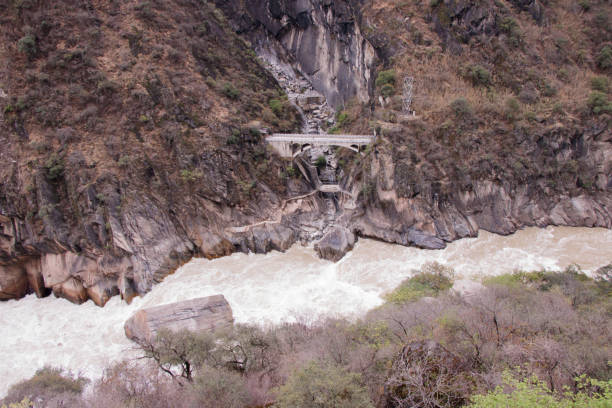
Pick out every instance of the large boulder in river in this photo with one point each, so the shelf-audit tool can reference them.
(335, 244)
(202, 314)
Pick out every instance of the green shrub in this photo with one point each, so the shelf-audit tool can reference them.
(585, 5)
(533, 393)
(321, 162)
(319, 385)
(290, 171)
(478, 75)
(558, 108)
(46, 383)
(27, 45)
(600, 83)
(548, 90)
(277, 106)
(387, 90)
(189, 176)
(124, 161)
(386, 78)
(54, 166)
(461, 107)
(229, 91)
(604, 59)
(219, 388)
(601, 21)
(513, 109)
(511, 28)
(25, 403)
(342, 118)
(432, 279)
(598, 103)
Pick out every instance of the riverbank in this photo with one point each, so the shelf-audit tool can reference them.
(272, 288)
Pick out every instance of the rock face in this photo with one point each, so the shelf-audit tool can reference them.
(202, 314)
(109, 195)
(323, 37)
(335, 244)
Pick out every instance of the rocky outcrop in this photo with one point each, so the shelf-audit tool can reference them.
(203, 314)
(323, 37)
(159, 167)
(335, 244)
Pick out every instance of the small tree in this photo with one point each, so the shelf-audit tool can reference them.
(179, 354)
(49, 386)
(321, 162)
(27, 45)
(219, 388)
(320, 385)
(533, 393)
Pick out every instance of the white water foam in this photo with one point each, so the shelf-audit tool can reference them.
(270, 289)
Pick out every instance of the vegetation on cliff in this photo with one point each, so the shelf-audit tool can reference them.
(501, 89)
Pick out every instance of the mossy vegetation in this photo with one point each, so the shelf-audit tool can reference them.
(432, 279)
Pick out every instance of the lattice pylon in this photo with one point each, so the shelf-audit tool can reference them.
(408, 94)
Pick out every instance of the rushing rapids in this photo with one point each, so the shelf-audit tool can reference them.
(268, 289)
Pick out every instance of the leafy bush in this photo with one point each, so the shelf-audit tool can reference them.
(179, 354)
(432, 279)
(230, 91)
(290, 171)
(387, 90)
(342, 120)
(46, 384)
(600, 83)
(321, 162)
(25, 403)
(533, 393)
(548, 90)
(385, 81)
(386, 78)
(189, 176)
(219, 388)
(320, 385)
(54, 166)
(27, 45)
(598, 103)
(585, 5)
(478, 75)
(277, 106)
(513, 109)
(604, 59)
(511, 28)
(461, 107)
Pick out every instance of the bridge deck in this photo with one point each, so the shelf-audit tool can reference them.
(319, 138)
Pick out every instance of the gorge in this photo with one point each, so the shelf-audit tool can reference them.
(94, 228)
(271, 289)
(138, 165)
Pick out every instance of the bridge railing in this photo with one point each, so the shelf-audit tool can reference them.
(299, 137)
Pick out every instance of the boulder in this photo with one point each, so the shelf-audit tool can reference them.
(35, 278)
(102, 291)
(72, 289)
(335, 244)
(212, 245)
(13, 282)
(202, 314)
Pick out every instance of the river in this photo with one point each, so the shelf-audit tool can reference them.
(272, 288)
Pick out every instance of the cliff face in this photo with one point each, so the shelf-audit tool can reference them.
(322, 38)
(127, 143)
(130, 133)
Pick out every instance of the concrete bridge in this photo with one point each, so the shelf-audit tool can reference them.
(292, 144)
